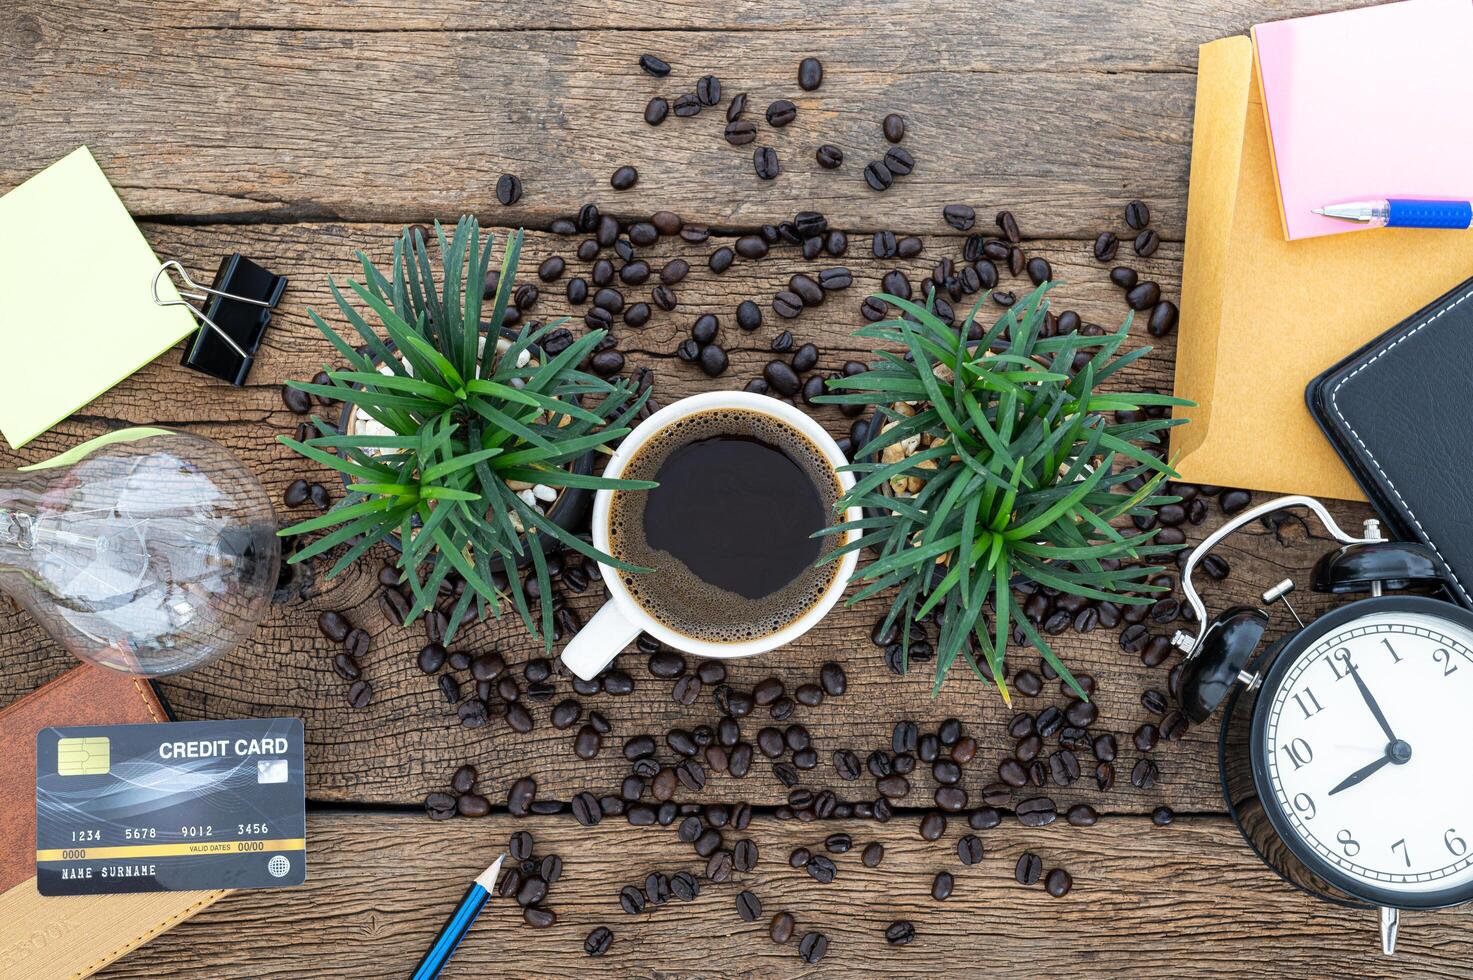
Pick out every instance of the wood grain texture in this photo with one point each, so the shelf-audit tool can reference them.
(300, 130)
(400, 126)
(408, 741)
(1146, 901)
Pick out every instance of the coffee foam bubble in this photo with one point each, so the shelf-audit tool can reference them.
(672, 593)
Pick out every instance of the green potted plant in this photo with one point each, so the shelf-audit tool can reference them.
(994, 460)
(454, 426)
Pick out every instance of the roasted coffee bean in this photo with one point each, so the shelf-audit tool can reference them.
(1145, 774)
(1106, 246)
(782, 378)
(969, 849)
(810, 74)
(686, 690)
(1058, 883)
(744, 855)
(440, 806)
(718, 868)
(606, 363)
(634, 273)
(596, 943)
(586, 743)
(805, 358)
(687, 105)
(959, 216)
(787, 304)
(1162, 321)
(839, 843)
(1123, 276)
(1063, 767)
(1028, 869)
(821, 869)
(708, 90)
(586, 809)
(893, 126)
(1037, 811)
(1137, 215)
(964, 750)
(899, 161)
(1156, 651)
(1143, 295)
(624, 178)
(941, 886)
(334, 626)
(360, 692)
(631, 899)
(1081, 714)
(609, 299)
(684, 886)
(566, 713)
(740, 132)
(1162, 815)
(748, 906)
(829, 156)
(781, 112)
(691, 775)
(296, 495)
(1146, 243)
(751, 247)
(655, 111)
(899, 933)
(878, 176)
(654, 66)
(932, 826)
(472, 805)
(508, 189)
(1039, 270)
(952, 799)
(808, 290)
(765, 163)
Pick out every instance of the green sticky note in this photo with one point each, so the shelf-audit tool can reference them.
(76, 300)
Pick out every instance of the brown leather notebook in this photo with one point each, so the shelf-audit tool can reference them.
(45, 938)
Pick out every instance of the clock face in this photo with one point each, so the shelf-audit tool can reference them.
(1361, 750)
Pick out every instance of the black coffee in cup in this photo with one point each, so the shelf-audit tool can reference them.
(728, 533)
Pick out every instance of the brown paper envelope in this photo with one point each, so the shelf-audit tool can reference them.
(1262, 316)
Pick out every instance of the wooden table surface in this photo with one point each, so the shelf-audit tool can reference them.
(298, 131)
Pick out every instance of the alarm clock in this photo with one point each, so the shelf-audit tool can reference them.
(1340, 750)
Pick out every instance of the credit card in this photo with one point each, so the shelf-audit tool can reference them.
(171, 807)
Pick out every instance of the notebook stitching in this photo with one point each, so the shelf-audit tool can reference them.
(147, 934)
(1335, 404)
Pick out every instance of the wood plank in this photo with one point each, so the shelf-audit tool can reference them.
(1145, 901)
(407, 743)
(282, 125)
(1150, 35)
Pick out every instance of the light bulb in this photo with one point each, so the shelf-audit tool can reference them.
(146, 550)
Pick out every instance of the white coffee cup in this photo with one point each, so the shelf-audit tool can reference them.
(622, 619)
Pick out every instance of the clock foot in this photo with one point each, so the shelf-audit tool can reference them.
(1390, 920)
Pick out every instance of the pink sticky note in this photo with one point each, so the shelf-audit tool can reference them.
(1368, 103)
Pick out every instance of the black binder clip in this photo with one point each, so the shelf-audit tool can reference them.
(233, 313)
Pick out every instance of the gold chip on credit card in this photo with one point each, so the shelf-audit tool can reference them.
(82, 756)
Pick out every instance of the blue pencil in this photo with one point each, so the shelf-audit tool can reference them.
(459, 923)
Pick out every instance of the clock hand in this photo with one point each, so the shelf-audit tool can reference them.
(1370, 701)
(1360, 774)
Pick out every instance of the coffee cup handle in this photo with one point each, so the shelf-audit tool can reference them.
(596, 645)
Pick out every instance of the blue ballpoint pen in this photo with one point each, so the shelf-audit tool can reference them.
(1402, 213)
(459, 924)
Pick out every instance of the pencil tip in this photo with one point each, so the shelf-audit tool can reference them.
(487, 879)
(1321, 211)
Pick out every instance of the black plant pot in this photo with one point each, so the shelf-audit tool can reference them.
(569, 511)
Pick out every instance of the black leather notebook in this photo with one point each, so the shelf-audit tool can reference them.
(1399, 411)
